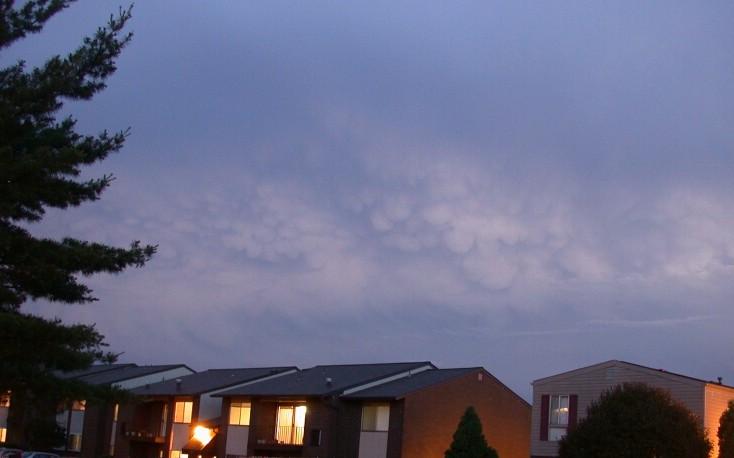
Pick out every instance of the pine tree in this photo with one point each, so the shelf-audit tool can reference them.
(41, 158)
(469, 441)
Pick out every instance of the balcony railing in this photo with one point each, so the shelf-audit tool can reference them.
(278, 435)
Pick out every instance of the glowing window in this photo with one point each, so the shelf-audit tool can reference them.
(239, 413)
(290, 423)
(558, 417)
(5, 400)
(375, 417)
(75, 442)
(3, 434)
(79, 405)
(182, 414)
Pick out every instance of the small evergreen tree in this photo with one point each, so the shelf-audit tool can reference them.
(469, 441)
(726, 432)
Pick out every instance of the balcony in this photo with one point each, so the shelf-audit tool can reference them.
(144, 436)
(276, 439)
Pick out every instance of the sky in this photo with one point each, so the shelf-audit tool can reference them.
(530, 187)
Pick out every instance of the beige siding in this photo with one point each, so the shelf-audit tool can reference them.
(589, 383)
(717, 399)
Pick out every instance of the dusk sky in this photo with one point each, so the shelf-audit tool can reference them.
(530, 187)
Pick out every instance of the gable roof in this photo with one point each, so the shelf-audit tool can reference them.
(635, 367)
(402, 387)
(325, 380)
(208, 381)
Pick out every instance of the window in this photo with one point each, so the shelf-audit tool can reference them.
(164, 422)
(5, 399)
(375, 417)
(182, 414)
(75, 442)
(239, 413)
(78, 405)
(558, 425)
(557, 415)
(3, 434)
(289, 424)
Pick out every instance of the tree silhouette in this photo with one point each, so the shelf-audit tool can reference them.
(469, 441)
(726, 432)
(41, 158)
(634, 420)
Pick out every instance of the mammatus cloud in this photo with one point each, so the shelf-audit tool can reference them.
(523, 187)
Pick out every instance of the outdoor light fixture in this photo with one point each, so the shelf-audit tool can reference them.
(203, 434)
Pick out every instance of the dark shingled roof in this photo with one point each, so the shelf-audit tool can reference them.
(208, 381)
(128, 372)
(404, 386)
(313, 381)
(94, 369)
(103, 374)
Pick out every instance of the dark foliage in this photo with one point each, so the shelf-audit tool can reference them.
(726, 432)
(41, 158)
(634, 420)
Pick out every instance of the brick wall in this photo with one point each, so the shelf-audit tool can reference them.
(432, 415)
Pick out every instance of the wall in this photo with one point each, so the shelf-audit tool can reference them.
(717, 399)
(589, 383)
(431, 416)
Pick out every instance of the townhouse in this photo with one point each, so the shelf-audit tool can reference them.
(561, 400)
(416, 417)
(389, 410)
(91, 429)
(180, 417)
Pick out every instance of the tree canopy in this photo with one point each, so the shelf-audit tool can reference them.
(726, 432)
(41, 158)
(469, 440)
(636, 420)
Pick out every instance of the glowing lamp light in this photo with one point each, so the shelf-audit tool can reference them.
(203, 435)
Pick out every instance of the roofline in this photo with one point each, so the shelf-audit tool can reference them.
(357, 386)
(613, 362)
(168, 367)
(470, 370)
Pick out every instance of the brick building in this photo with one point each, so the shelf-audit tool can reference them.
(407, 410)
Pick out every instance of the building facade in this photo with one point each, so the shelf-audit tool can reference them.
(561, 400)
(180, 417)
(408, 410)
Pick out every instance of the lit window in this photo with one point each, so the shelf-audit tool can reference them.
(164, 421)
(75, 442)
(239, 413)
(79, 405)
(5, 400)
(182, 414)
(558, 421)
(3, 434)
(375, 417)
(116, 412)
(290, 423)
